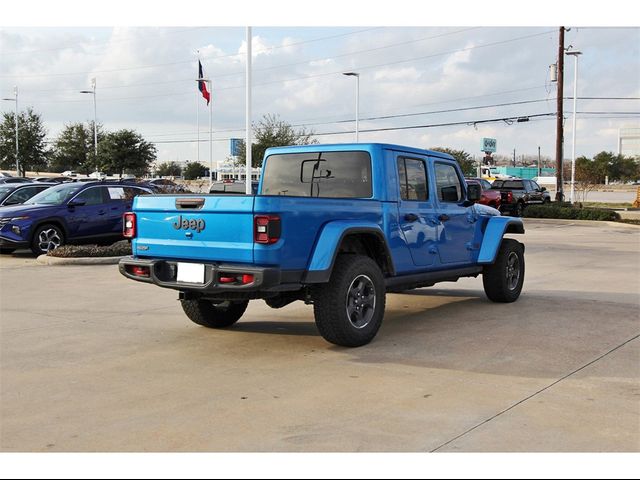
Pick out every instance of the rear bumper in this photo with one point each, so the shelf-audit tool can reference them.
(164, 272)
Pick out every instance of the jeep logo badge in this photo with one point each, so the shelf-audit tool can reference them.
(186, 224)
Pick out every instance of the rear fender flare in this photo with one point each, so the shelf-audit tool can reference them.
(326, 248)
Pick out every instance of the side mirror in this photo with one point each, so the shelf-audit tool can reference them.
(474, 192)
(543, 189)
(76, 203)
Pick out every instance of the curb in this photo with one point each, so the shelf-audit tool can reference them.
(567, 221)
(47, 260)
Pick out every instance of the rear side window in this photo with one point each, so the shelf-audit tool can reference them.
(318, 174)
(413, 179)
(91, 196)
(448, 183)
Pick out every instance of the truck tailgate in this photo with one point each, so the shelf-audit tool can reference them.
(194, 227)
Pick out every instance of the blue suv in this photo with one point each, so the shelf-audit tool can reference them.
(88, 212)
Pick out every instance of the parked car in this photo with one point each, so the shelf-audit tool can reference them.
(5, 180)
(516, 194)
(75, 212)
(17, 193)
(235, 188)
(70, 173)
(52, 179)
(489, 197)
(166, 186)
(338, 226)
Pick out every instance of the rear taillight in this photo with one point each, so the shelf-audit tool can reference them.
(266, 229)
(129, 225)
(509, 197)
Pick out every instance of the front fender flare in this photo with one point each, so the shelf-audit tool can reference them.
(493, 233)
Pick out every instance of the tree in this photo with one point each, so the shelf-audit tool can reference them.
(194, 170)
(169, 169)
(588, 176)
(74, 148)
(464, 159)
(125, 151)
(32, 154)
(272, 132)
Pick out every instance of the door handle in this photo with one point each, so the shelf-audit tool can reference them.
(443, 217)
(411, 217)
(101, 212)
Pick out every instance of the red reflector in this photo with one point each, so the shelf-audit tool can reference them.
(227, 279)
(247, 278)
(140, 271)
(129, 225)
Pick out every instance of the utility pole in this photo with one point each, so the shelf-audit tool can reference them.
(559, 120)
(539, 167)
(514, 157)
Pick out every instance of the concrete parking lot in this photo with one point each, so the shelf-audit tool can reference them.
(93, 362)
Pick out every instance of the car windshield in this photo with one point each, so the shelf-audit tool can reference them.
(5, 189)
(55, 195)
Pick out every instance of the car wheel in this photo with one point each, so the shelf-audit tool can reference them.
(349, 308)
(519, 209)
(503, 280)
(214, 315)
(546, 201)
(6, 251)
(46, 238)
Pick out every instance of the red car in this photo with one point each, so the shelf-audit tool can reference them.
(489, 197)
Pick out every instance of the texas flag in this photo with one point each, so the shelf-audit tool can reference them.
(202, 86)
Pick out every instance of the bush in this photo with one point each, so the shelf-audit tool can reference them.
(570, 213)
(118, 249)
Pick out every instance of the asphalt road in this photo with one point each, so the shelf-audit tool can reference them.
(93, 362)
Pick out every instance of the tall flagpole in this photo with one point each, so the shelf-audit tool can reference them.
(198, 95)
(247, 142)
(210, 133)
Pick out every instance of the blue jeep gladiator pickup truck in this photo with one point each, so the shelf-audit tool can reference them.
(337, 226)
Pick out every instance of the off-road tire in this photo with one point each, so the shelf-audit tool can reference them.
(504, 279)
(53, 233)
(357, 286)
(210, 315)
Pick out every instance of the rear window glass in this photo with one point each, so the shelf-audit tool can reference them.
(318, 174)
(512, 184)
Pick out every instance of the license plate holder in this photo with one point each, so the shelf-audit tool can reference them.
(190, 273)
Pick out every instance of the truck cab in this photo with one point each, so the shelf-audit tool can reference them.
(337, 226)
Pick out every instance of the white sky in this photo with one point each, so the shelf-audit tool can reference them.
(145, 75)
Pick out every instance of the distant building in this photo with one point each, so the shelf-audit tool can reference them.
(227, 170)
(629, 142)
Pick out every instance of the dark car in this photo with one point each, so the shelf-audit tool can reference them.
(232, 188)
(163, 185)
(517, 193)
(4, 180)
(52, 179)
(17, 193)
(76, 212)
(489, 197)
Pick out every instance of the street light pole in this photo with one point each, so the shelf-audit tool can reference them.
(575, 55)
(15, 93)
(357, 75)
(95, 121)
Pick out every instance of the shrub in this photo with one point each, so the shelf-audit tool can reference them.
(118, 249)
(569, 212)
